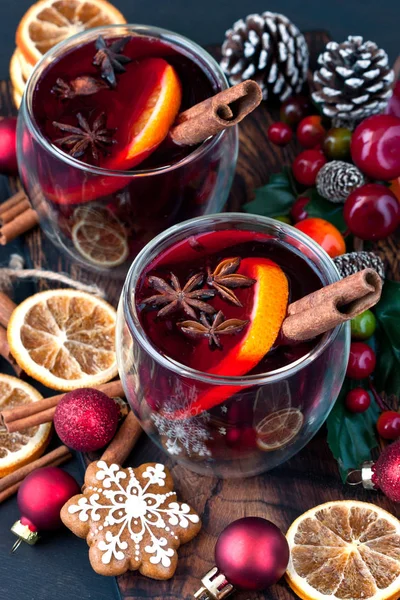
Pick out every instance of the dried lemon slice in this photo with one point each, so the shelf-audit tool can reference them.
(64, 339)
(21, 447)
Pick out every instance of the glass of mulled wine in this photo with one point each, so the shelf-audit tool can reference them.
(94, 152)
(200, 349)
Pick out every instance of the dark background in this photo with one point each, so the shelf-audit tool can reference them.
(58, 566)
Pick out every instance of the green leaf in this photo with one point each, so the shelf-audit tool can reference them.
(273, 199)
(387, 312)
(351, 436)
(330, 211)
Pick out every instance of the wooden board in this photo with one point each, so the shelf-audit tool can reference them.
(310, 478)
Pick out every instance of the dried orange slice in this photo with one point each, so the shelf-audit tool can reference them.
(48, 22)
(278, 429)
(64, 339)
(345, 550)
(17, 79)
(19, 448)
(99, 237)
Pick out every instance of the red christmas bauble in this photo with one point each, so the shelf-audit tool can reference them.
(86, 419)
(8, 146)
(386, 472)
(375, 147)
(372, 212)
(252, 553)
(42, 495)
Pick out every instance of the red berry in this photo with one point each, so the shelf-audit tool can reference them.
(298, 211)
(362, 361)
(372, 212)
(325, 234)
(294, 109)
(306, 166)
(310, 132)
(279, 133)
(388, 425)
(375, 147)
(357, 400)
(393, 107)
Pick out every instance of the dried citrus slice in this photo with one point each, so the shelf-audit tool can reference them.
(19, 448)
(99, 237)
(48, 22)
(278, 429)
(17, 79)
(64, 339)
(345, 550)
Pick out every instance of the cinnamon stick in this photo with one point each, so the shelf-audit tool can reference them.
(14, 211)
(10, 483)
(36, 413)
(123, 443)
(213, 115)
(12, 201)
(330, 306)
(21, 224)
(7, 307)
(5, 351)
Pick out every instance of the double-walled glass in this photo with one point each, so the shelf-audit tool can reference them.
(86, 210)
(283, 408)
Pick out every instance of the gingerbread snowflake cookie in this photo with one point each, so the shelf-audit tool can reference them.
(131, 519)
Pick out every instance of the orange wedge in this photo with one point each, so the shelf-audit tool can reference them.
(49, 22)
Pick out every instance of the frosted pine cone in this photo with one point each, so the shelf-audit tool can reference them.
(353, 82)
(353, 262)
(337, 179)
(269, 49)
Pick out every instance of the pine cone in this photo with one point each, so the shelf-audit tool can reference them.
(353, 82)
(353, 262)
(337, 179)
(269, 49)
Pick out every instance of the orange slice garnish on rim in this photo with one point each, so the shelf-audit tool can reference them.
(278, 429)
(48, 22)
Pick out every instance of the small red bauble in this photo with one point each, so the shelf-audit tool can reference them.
(372, 212)
(325, 234)
(252, 553)
(310, 131)
(307, 165)
(8, 146)
(388, 425)
(42, 495)
(298, 211)
(279, 133)
(386, 472)
(86, 419)
(357, 400)
(362, 361)
(375, 147)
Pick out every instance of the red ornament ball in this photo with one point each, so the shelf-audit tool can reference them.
(252, 553)
(372, 212)
(388, 425)
(86, 419)
(279, 133)
(42, 495)
(386, 472)
(307, 165)
(362, 361)
(310, 132)
(8, 146)
(298, 212)
(375, 147)
(357, 400)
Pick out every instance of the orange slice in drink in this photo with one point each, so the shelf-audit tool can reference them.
(345, 550)
(21, 447)
(278, 429)
(49, 22)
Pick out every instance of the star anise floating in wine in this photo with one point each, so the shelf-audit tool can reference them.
(212, 328)
(110, 60)
(80, 140)
(174, 298)
(224, 279)
(80, 86)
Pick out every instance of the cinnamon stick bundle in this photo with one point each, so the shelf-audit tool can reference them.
(21, 224)
(5, 351)
(215, 114)
(124, 442)
(36, 413)
(7, 307)
(330, 306)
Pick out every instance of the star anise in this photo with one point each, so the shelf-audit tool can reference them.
(83, 138)
(212, 329)
(110, 60)
(173, 297)
(224, 279)
(80, 86)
